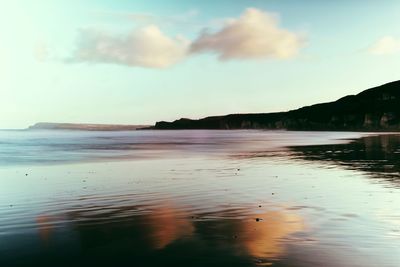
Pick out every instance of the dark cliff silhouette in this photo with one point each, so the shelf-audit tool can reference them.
(375, 109)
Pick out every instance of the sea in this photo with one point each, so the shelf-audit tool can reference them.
(199, 198)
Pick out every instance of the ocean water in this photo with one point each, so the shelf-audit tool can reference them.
(199, 198)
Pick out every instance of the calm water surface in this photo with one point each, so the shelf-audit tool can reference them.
(199, 198)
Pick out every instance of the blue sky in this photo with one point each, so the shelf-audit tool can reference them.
(138, 62)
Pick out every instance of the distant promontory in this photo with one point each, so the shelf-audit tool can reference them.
(83, 127)
(375, 109)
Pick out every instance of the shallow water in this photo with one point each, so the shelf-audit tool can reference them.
(199, 198)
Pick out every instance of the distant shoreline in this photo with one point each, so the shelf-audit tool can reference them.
(373, 110)
(84, 127)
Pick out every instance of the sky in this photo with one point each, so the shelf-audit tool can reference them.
(138, 62)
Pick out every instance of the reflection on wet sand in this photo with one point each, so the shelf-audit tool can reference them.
(377, 155)
(264, 237)
(45, 227)
(167, 224)
(141, 233)
(156, 226)
(161, 225)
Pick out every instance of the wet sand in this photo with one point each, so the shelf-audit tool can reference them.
(199, 198)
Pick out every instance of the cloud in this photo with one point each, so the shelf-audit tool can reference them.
(145, 47)
(255, 34)
(384, 46)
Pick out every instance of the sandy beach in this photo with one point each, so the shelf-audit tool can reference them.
(215, 198)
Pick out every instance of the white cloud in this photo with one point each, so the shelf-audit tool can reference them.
(385, 45)
(255, 34)
(145, 47)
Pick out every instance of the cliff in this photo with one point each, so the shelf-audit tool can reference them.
(375, 109)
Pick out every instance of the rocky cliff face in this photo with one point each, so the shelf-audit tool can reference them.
(376, 109)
